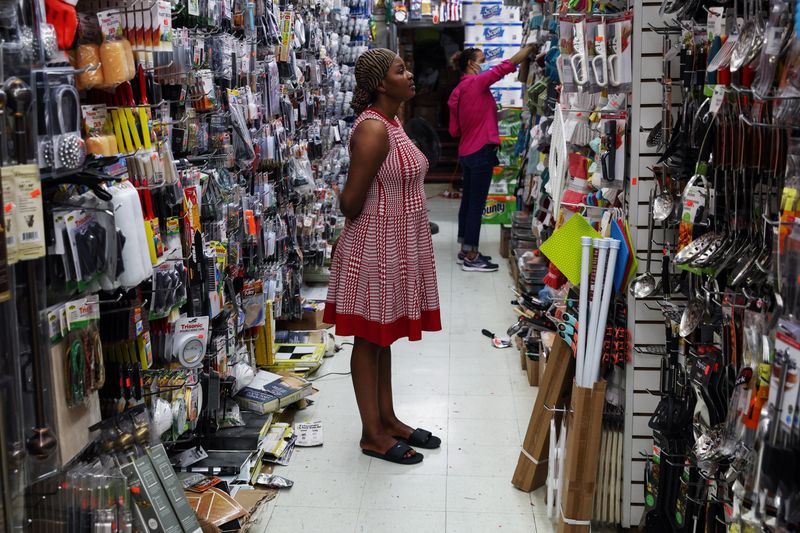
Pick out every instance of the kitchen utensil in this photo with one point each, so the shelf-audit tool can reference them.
(644, 284)
(614, 61)
(724, 55)
(71, 146)
(666, 284)
(663, 203)
(608, 160)
(600, 60)
(696, 312)
(695, 248)
(748, 44)
(579, 59)
(658, 136)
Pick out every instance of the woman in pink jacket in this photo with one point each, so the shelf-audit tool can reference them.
(473, 118)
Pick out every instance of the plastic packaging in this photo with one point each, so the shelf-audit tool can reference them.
(103, 145)
(272, 481)
(127, 207)
(97, 130)
(88, 57)
(116, 57)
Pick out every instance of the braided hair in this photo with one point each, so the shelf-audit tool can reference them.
(371, 68)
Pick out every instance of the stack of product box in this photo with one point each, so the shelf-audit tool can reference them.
(497, 30)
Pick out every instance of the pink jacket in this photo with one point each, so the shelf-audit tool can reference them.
(473, 109)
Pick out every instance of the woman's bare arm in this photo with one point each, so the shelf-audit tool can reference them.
(369, 147)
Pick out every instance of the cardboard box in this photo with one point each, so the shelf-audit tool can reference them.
(532, 368)
(531, 471)
(523, 357)
(513, 269)
(505, 238)
(312, 319)
(542, 367)
(584, 426)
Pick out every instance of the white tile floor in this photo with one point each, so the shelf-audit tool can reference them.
(453, 383)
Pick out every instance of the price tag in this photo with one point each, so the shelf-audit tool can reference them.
(717, 98)
(774, 41)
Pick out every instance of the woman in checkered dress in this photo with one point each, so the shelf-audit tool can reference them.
(383, 277)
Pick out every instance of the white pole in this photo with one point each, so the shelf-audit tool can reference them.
(583, 306)
(593, 372)
(562, 453)
(599, 273)
(551, 470)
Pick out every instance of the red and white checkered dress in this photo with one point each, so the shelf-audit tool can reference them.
(383, 275)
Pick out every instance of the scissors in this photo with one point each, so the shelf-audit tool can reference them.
(614, 68)
(579, 59)
(600, 61)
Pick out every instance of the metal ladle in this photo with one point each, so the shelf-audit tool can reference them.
(644, 284)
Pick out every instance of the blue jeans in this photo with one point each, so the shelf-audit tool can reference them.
(477, 179)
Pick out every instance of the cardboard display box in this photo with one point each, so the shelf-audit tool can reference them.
(505, 241)
(312, 319)
(519, 342)
(514, 269)
(532, 368)
(584, 426)
(531, 471)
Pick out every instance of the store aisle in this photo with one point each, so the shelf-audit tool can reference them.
(453, 383)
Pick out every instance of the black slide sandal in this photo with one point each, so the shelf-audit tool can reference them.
(396, 454)
(422, 438)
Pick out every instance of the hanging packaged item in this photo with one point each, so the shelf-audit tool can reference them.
(612, 156)
(76, 322)
(100, 139)
(620, 55)
(169, 288)
(189, 340)
(116, 53)
(87, 59)
(135, 252)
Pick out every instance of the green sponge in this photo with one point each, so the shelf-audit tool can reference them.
(563, 248)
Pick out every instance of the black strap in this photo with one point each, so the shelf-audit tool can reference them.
(398, 451)
(420, 436)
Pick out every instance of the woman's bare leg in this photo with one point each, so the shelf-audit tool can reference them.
(391, 423)
(364, 366)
